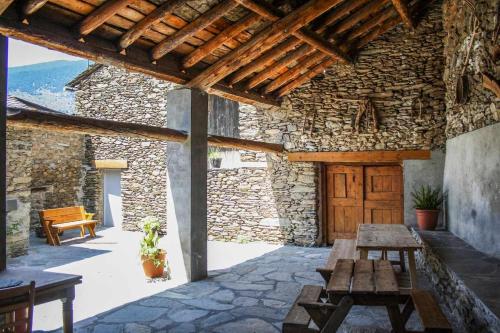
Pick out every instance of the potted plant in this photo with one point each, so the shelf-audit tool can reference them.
(153, 258)
(214, 158)
(427, 202)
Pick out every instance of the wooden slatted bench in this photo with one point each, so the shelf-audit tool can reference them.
(310, 314)
(342, 249)
(57, 220)
(429, 311)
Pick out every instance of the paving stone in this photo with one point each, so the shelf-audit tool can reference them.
(250, 325)
(250, 293)
(161, 323)
(280, 276)
(224, 296)
(108, 329)
(183, 328)
(285, 291)
(174, 295)
(260, 312)
(245, 301)
(136, 328)
(201, 288)
(135, 313)
(161, 302)
(226, 277)
(217, 319)
(187, 315)
(208, 304)
(275, 304)
(252, 278)
(245, 286)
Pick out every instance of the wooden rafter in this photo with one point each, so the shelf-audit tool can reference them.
(101, 15)
(230, 32)
(4, 4)
(305, 77)
(262, 41)
(27, 119)
(303, 34)
(403, 11)
(294, 72)
(371, 24)
(279, 65)
(31, 6)
(192, 28)
(43, 33)
(264, 60)
(151, 19)
(338, 13)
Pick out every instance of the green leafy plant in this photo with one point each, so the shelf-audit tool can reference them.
(427, 198)
(213, 153)
(149, 243)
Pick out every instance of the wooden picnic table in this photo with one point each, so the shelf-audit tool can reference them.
(367, 282)
(49, 286)
(389, 237)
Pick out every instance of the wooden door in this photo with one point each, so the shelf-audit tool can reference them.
(383, 195)
(361, 194)
(344, 201)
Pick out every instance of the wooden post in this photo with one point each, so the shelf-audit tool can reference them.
(4, 48)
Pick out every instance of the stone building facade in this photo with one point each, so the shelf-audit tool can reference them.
(45, 170)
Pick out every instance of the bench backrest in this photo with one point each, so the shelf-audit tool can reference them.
(62, 215)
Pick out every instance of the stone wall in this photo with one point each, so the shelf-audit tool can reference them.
(482, 108)
(401, 72)
(57, 171)
(112, 93)
(19, 162)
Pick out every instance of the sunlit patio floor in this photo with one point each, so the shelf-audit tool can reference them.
(250, 288)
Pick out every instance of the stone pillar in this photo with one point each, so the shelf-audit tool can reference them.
(187, 110)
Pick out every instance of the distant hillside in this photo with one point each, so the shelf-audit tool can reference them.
(44, 83)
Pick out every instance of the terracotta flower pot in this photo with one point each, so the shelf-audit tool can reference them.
(427, 219)
(149, 267)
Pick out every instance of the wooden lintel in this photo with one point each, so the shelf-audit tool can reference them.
(52, 36)
(110, 164)
(28, 119)
(377, 156)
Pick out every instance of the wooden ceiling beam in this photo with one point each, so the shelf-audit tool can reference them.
(147, 22)
(358, 16)
(339, 13)
(262, 41)
(264, 60)
(101, 14)
(305, 77)
(44, 33)
(230, 32)
(279, 65)
(200, 23)
(376, 156)
(4, 4)
(371, 24)
(31, 6)
(403, 11)
(294, 72)
(303, 34)
(28, 119)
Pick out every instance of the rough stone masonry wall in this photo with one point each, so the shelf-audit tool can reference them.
(19, 163)
(400, 71)
(483, 108)
(57, 171)
(115, 94)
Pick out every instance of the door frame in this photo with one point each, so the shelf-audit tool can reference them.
(322, 193)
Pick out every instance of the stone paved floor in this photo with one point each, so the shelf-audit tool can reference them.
(253, 295)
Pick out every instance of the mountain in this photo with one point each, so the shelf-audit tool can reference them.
(44, 83)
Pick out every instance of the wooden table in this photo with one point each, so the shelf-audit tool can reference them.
(49, 287)
(389, 237)
(370, 283)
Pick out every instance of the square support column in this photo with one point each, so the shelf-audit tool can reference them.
(4, 50)
(187, 110)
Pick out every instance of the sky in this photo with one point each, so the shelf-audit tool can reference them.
(21, 54)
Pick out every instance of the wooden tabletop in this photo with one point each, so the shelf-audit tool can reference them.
(44, 280)
(390, 237)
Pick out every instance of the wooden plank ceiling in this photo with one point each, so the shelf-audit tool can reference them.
(246, 50)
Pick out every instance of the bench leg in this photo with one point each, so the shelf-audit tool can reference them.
(338, 316)
(55, 237)
(82, 231)
(396, 318)
(91, 229)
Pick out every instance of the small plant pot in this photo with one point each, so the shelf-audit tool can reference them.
(427, 219)
(149, 267)
(216, 162)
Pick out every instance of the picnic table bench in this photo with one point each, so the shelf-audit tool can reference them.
(56, 220)
(342, 249)
(361, 282)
